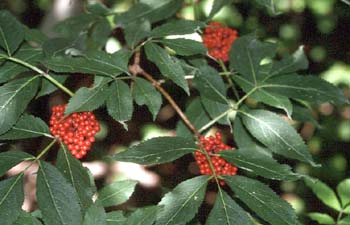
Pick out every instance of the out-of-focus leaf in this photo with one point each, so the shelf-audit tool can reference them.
(343, 191)
(321, 218)
(217, 6)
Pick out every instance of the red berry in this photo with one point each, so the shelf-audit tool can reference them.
(218, 40)
(76, 130)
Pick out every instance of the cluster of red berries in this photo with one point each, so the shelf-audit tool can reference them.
(218, 40)
(213, 145)
(77, 130)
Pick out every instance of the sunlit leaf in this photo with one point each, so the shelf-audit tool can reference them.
(321, 218)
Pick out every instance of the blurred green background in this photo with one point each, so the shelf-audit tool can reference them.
(321, 26)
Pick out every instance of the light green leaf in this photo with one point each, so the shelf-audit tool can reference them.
(115, 218)
(27, 126)
(345, 221)
(276, 134)
(146, 94)
(26, 219)
(88, 99)
(157, 150)
(9, 159)
(185, 47)
(95, 215)
(227, 211)
(343, 191)
(76, 175)
(116, 193)
(259, 164)
(217, 6)
(177, 27)
(181, 204)
(14, 98)
(136, 32)
(262, 200)
(120, 102)
(11, 32)
(152, 10)
(324, 193)
(168, 65)
(11, 199)
(142, 216)
(321, 218)
(57, 199)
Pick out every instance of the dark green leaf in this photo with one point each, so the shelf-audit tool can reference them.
(343, 191)
(269, 5)
(181, 204)
(259, 164)
(309, 88)
(74, 25)
(116, 193)
(157, 150)
(88, 99)
(57, 199)
(60, 46)
(246, 55)
(119, 102)
(184, 47)
(276, 134)
(26, 219)
(168, 66)
(321, 218)
(11, 32)
(27, 126)
(76, 175)
(146, 94)
(11, 158)
(14, 98)
(115, 218)
(136, 32)
(227, 211)
(152, 10)
(97, 8)
(262, 200)
(47, 87)
(95, 215)
(217, 6)
(303, 114)
(216, 109)
(100, 33)
(34, 35)
(11, 199)
(142, 216)
(196, 114)
(9, 69)
(177, 27)
(324, 193)
(345, 220)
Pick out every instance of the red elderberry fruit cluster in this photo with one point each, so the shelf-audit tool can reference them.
(213, 145)
(77, 130)
(218, 40)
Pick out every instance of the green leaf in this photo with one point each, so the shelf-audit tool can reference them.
(246, 55)
(321, 218)
(136, 32)
(115, 218)
(95, 215)
(142, 216)
(151, 10)
(227, 211)
(10, 70)
(324, 193)
(47, 87)
(57, 199)
(88, 99)
(181, 204)
(168, 66)
(76, 175)
(26, 219)
(343, 190)
(157, 150)
(11, 32)
(61, 46)
(262, 200)
(9, 159)
(177, 27)
(120, 102)
(185, 47)
(146, 94)
(97, 8)
(74, 25)
(276, 134)
(100, 33)
(116, 193)
(27, 126)
(98, 63)
(269, 5)
(304, 114)
(196, 114)
(11, 199)
(308, 88)
(14, 98)
(344, 221)
(34, 35)
(216, 109)
(259, 164)
(217, 6)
